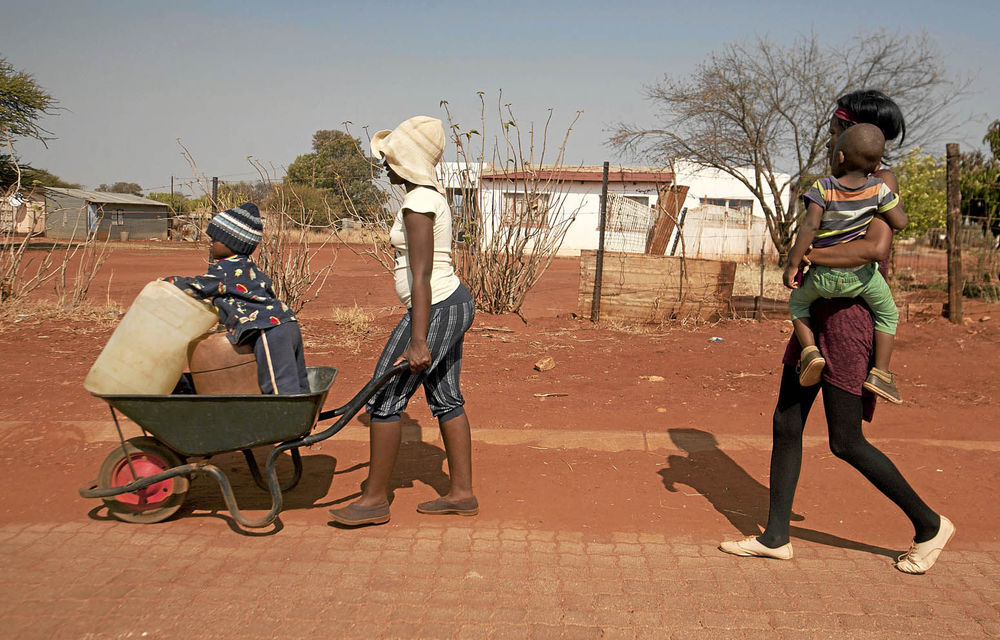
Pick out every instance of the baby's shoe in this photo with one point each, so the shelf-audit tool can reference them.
(883, 384)
(811, 365)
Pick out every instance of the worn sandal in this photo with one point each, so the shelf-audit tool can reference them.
(355, 515)
(443, 506)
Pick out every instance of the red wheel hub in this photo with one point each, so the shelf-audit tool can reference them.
(145, 465)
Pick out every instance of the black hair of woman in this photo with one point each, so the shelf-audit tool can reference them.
(874, 107)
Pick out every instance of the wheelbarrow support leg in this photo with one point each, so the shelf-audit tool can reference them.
(259, 479)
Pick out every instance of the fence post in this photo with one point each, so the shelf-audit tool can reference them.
(595, 304)
(760, 294)
(215, 195)
(954, 228)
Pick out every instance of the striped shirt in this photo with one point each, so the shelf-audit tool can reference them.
(846, 211)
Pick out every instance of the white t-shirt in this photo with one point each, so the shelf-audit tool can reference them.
(443, 279)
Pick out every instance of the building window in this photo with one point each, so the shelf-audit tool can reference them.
(526, 210)
(118, 218)
(743, 206)
(643, 200)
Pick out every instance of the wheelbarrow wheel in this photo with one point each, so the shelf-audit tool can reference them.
(154, 503)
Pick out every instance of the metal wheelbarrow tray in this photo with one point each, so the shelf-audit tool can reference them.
(146, 479)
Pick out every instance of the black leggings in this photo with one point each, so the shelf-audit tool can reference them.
(843, 418)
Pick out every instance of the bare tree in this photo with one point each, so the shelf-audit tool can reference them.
(755, 107)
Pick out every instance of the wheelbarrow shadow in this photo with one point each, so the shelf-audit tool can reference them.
(733, 492)
(418, 461)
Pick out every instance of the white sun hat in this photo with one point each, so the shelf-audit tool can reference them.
(413, 150)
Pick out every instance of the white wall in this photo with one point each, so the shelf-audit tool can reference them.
(704, 182)
(583, 199)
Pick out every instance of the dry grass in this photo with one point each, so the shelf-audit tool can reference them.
(355, 319)
(85, 317)
(364, 236)
(356, 324)
(635, 328)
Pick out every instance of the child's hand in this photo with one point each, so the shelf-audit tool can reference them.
(790, 277)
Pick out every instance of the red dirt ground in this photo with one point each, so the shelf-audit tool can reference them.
(721, 389)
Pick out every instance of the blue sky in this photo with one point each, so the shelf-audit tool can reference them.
(238, 79)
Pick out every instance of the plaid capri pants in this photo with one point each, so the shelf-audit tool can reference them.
(449, 320)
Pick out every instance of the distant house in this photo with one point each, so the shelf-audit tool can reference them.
(576, 192)
(22, 213)
(709, 214)
(72, 213)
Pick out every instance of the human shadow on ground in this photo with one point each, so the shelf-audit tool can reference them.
(418, 461)
(733, 492)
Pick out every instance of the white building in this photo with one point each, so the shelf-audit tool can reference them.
(719, 216)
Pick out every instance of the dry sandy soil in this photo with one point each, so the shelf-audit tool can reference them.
(710, 393)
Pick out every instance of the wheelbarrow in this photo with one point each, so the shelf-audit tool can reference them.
(146, 478)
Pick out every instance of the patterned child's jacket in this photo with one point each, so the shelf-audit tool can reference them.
(242, 294)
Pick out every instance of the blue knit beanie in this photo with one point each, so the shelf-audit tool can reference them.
(239, 228)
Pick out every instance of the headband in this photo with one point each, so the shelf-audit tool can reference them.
(842, 113)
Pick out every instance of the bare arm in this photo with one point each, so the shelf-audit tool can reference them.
(871, 248)
(420, 249)
(896, 217)
(807, 231)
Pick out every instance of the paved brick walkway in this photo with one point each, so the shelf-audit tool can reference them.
(68, 572)
(466, 578)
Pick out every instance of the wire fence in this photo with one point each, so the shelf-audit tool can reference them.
(918, 266)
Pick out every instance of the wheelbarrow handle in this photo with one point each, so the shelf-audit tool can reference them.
(354, 405)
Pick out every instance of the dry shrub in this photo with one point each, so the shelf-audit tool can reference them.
(368, 236)
(355, 319)
(24, 267)
(511, 231)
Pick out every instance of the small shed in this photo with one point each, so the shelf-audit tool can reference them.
(73, 213)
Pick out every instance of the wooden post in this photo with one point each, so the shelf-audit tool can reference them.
(215, 195)
(760, 294)
(595, 305)
(680, 229)
(954, 228)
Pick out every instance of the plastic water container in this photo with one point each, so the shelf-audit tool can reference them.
(148, 351)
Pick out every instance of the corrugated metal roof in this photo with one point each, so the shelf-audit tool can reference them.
(103, 197)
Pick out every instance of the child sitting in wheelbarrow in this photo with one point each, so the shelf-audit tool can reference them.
(244, 297)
